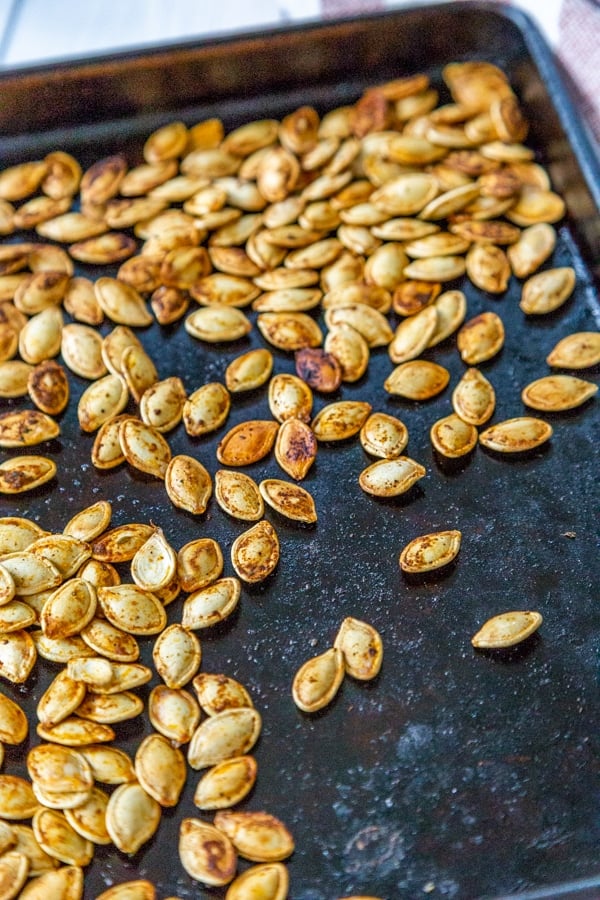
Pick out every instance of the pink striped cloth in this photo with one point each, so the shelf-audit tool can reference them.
(571, 27)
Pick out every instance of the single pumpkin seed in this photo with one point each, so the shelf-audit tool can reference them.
(225, 735)
(474, 398)
(160, 769)
(289, 330)
(173, 713)
(122, 542)
(451, 308)
(199, 563)
(102, 400)
(132, 817)
(26, 428)
(238, 495)
(14, 378)
(48, 387)
(506, 630)
(412, 335)
(391, 477)
(60, 699)
(15, 616)
(267, 880)
(59, 768)
(340, 420)
(14, 869)
(350, 349)
(108, 709)
(122, 303)
(555, 393)
(288, 300)
(69, 609)
(417, 380)
(176, 654)
(247, 443)
(452, 437)
(481, 338)
(318, 680)
(289, 397)
(218, 323)
(362, 648)
(546, 291)
(216, 693)
(40, 338)
(534, 246)
(295, 448)
(139, 889)
(144, 447)
(81, 303)
(289, 500)
(580, 350)
(536, 205)
(222, 289)
(90, 522)
(17, 800)
(226, 784)
(109, 765)
(109, 641)
(133, 609)
(188, 484)
(488, 268)
(88, 819)
(208, 606)
(255, 552)
(206, 854)
(384, 436)
(516, 435)
(56, 837)
(13, 721)
(249, 371)
(31, 573)
(206, 409)
(154, 564)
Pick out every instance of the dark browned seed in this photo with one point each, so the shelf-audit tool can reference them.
(319, 369)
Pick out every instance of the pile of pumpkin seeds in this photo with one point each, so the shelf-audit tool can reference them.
(331, 235)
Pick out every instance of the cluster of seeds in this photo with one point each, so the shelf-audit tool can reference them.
(337, 236)
(68, 588)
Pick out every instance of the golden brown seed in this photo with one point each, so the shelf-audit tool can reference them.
(208, 606)
(122, 303)
(257, 836)
(60, 699)
(154, 565)
(536, 205)
(362, 648)
(226, 784)
(121, 543)
(176, 655)
(110, 708)
(217, 323)
(289, 330)
(173, 713)
(104, 399)
(488, 268)
(384, 436)
(140, 889)
(17, 800)
(340, 420)
(451, 308)
(506, 630)
(199, 563)
(138, 370)
(580, 350)
(224, 735)
(289, 500)
(555, 393)
(69, 609)
(114, 345)
(390, 477)
(39, 291)
(160, 769)
(516, 435)
(40, 338)
(188, 484)
(350, 349)
(13, 721)
(108, 765)
(14, 869)
(132, 817)
(481, 338)
(26, 428)
(255, 552)
(169, 304)
(288, 300)
(206, 853)
(15, 616)
(56, 837)
(17, 533)
(113, 643)
(133, 609)
(81, 303)
(318, 680)
(417, 380)
(206, 409)
(452, 436)
(238, 495)
(412, 335)
(14, 378)
(48, 387)
(295, 448)
(144, 447)
(534, 246)
(247, 442)
(249, 371)
(24, 473)
(474, 398)
(267, 880)
(222, 289)
(216, 693)
(546, 291)
(369, 322)
(289, 397)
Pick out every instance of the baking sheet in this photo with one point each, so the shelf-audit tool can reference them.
(454, 773)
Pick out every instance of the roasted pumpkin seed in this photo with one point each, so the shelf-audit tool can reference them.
(318, 680)
(452, 437)
(238, 495)
(225, 735)
(211, 604)
(226, 784)
(362, 648)
(340, 420)
(289, 500)
(206, 853)
(506, 630)
(546, 291)
(516, 435)
(132, 817)
(160, 769)
(173, 713)
(580, 350)
(295, 448)
(390, 477)
(481, 338)
(247, 443)
(555, 393)
(268, 880)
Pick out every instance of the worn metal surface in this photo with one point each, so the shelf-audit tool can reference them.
(455, 773)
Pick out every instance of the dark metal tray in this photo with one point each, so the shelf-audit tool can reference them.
(455, 773)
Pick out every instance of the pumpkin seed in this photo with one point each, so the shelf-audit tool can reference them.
(217, 323)
(369, 322)
(17, 800)
(81, 303)
(99, 573)
(206, 854)
(350, 349)
(113, 643)
(255, 552)
(238, 495)
(109, 765)
(417, 380)
(247, 443)
(546, 291)
(451, 308)
(216, 693)
(26, 428)
(516, 435)
(288, 300)
(506, 630)
(102, 400)
(318, 680)
(188, 484)
(384, 436)
(278, 279)
(59, 650)
(412, 335)
(249, 371)
(225, 735)
(257, 836)
(295, 448)
(390, 477)
(173, 713)
(436, 268)
(361, 647)
(15, 616)
(340, 420)
(60, 769)
(69, 609)
(536, 205)
(56, 837)
(132, 817)
(133, 609)
(144, 447)
(481, 338)
(199, 563)
(555, 393)
(88, 819)
(48, 387)
(534, 246)
(140, 889)
(161, 769)
(14, 869)
(289, 500)
(580, 350)
(121, 302)
(14, 378)
(108, 709)
(13, 721)
(40, 337)
(17, 656)
(406, 194)
(289, 397)
(289, 330)
(7, 586)
(90, 522)
(452, 437)
(221, 289)
(138, 370)
(474, 398)
(226, 783)
(154, 564)
(210, 605)
(121, 543)
(176, 654)
(488, 268)
(39, 861)
(66, 553)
